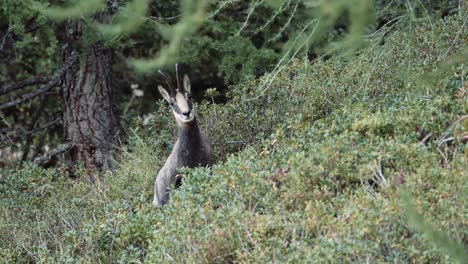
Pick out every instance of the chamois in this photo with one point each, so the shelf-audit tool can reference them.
(192, 147)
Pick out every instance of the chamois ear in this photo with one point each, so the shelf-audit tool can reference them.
(164, 93)
(187, 86)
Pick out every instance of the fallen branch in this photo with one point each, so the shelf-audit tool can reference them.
(54, 81)
(62, 148)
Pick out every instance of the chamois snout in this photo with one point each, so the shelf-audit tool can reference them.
(187, 117)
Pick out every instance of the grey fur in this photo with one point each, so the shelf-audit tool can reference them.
(191, 149)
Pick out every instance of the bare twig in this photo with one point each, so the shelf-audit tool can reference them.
(251, 11)
(46, 125)
(34, 120)
(287, 56)
(221, 6)
(54, 81)
(28, 96)
(426, 138)
(463, 138)
(232, 142)
(62, 148)
(278, 35)
(462, 28)
(20, 85)
(442, 139)
(283, 7)
(7, 140)
(2, 44)
(6, 130)
(384, 26)
(39, 146)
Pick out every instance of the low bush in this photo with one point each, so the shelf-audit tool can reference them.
(312, 163)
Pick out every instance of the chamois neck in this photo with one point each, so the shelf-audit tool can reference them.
(189, 132)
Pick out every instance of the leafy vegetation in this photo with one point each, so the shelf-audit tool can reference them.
(237, 41)
(313, 159)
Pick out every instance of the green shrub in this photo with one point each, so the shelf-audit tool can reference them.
(311, 161)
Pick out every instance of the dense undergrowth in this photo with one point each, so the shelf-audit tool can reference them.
(319, 168)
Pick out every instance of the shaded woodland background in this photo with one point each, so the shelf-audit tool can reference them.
(236, 41)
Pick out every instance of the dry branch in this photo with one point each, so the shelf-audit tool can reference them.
(54, 81)
(20, 85)
(62, 148)
(7, 140)
(34, 120)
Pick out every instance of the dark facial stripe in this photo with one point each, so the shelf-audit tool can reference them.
(176, 108)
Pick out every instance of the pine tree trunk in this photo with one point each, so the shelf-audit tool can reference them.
(90, 119)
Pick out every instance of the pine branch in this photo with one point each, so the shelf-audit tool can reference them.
(54, 81)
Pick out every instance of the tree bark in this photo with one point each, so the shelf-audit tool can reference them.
(90, 120)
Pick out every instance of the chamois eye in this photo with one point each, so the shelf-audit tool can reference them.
(189, 96)
(171, 103)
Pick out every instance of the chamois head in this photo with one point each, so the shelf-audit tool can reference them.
(180, 101)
